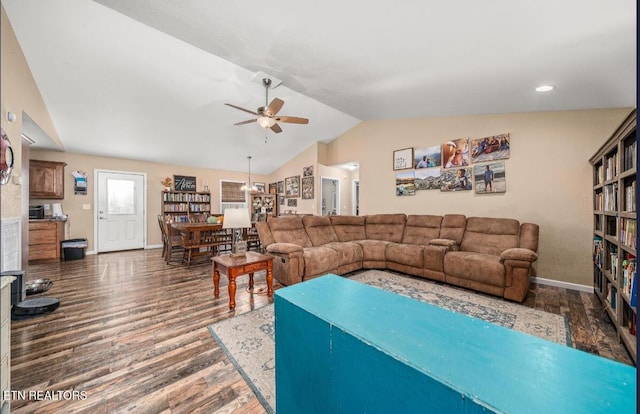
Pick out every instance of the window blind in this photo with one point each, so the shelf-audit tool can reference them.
(231, 192)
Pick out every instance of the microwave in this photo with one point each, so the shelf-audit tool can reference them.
(36, 212)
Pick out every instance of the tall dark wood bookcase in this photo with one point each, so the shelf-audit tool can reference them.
(177, 206)
(614, 229)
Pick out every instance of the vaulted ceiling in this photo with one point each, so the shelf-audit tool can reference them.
(148, 79)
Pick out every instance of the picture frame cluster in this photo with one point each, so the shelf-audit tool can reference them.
(456, 165)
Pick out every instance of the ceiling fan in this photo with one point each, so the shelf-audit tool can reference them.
(267, 115)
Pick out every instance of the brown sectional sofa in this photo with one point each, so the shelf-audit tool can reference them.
(491, 255)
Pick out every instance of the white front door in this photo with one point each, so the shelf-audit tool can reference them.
(121, 211)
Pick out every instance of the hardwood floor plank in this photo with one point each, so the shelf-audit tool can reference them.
(131, 332)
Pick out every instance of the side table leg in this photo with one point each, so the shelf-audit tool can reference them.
(232, 289)
(270, 279)
(251, 281)
(216, 283)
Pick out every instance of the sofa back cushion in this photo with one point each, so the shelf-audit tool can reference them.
(420, 229)
(289, 230)
(348, 228)
(529, 234)
(490, 235)
(319, 230)
(452, 227)
(264, 232)
(387, 227)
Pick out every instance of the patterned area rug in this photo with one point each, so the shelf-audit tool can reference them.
(248, 339)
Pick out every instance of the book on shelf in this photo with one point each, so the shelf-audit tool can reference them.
(628, 232)
(630, 197)
(634, 292)
(630, 156)
(597, 250)
(628, 274)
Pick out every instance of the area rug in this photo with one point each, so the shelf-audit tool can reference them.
(249, 339)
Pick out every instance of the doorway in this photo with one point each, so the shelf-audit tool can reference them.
(120, 222)
(330, 190)
(356, 198)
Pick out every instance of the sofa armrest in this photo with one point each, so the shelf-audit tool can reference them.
(284, 248)
(518, 253)
(448, 243)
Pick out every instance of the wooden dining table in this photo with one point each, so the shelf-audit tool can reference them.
(201, 239)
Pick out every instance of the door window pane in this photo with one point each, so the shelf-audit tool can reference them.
(120, 196)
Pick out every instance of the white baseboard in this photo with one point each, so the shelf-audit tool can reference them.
(153, 246)
(565, 285)
(89, 252)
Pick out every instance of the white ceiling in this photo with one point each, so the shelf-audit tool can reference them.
(147, 79)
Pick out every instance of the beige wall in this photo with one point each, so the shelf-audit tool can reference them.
(294, 167)
(549, 178)
(18, 93)
(80, 223)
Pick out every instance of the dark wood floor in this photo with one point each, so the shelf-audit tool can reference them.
(132, 333)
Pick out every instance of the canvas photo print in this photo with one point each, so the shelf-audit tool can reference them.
(456, 180)
(427, 179)
(495, 147)
(307, 188)
(455, 153)
(490, 178)
(427, 157)
(405, 184)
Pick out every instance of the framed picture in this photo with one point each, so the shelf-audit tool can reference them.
(280, 187)
(273, 188)
(427, 157)
(307, 188)
(281, 197)
(307, 171)
(405, 184)
(427, 179)
(292, 186)
(184, 183)
(455, 153)
(490, 178)
(496, 147)
(402, 159)
(292, 202)
(458, 179)
(260, 187)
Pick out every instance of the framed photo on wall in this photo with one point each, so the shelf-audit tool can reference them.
(260, 187)
(292, 202)
(307, 188)
(405, 184)
(495, 147)
(402, 159)
(307, 171)
(292, 186)
(280, 187)
(273, 188)
(490, 178)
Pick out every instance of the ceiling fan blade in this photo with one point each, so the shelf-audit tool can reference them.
(276, 128)
(242, 109)
(245, 122)
(274, 107)
(292, 120)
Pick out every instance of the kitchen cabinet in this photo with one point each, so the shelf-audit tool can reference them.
(45, 237)
(46, 179)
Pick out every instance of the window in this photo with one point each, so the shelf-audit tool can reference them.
(231, 196)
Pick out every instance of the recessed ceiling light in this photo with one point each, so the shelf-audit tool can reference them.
(545, 88)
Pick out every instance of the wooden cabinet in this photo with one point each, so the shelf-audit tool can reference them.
(179, 206)
(46, 179)
(44, 241)
(614, 233)
(5, 342)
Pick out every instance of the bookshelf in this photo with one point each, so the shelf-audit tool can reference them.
(614, 229)
(178, 206)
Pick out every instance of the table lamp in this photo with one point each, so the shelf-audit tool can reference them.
(237, 219)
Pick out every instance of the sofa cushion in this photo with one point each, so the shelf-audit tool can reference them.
(319, 230)
(407, 254)
(348, 228)
(481, 267)
(319, 260)
(348, 252)
(452, 227)
(420, 229)
(388, 227)
(373, 250)
(289, 230)
(490, 235)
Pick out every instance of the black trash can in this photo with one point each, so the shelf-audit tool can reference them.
(74, 249)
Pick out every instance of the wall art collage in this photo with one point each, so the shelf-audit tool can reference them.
(457, 165)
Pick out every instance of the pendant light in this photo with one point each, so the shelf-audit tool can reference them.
(248, 186)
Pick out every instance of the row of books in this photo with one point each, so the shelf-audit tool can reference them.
(198, 198)
(598, 251)
(610, 198)
(628, 232)
(629, 160)
(630, 197)
(611, 166)
(611, 295)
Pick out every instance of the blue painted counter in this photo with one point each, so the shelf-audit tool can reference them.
(346, 347)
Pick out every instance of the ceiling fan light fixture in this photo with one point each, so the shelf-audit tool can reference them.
(266, 122)
(545, 88)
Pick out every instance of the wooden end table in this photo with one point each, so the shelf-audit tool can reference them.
(236, 266)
